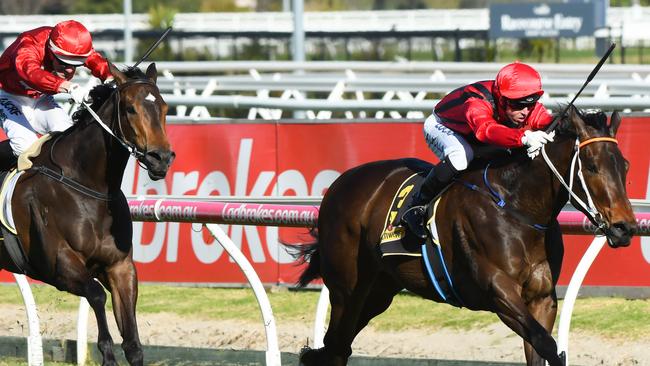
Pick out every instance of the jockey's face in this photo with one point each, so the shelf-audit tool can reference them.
(61, 69)
(517, 113)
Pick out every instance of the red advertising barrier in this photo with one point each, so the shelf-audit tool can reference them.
(303, 159)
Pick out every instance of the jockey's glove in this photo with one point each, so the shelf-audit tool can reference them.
(77, 93)
(534, 140)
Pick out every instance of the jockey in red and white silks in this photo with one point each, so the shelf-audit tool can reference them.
(39, 63)
(504, 112)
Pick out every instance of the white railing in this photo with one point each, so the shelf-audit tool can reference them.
(405, 90)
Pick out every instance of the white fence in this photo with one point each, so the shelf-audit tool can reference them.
(359, 90)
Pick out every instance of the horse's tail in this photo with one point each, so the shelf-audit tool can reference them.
(307, 253)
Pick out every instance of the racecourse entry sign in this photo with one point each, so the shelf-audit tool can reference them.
(542, 20)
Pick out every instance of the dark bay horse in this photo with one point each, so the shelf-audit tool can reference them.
(70, 214)
(499, 262)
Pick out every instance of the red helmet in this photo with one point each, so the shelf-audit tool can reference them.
(517, 80)
(71, 42)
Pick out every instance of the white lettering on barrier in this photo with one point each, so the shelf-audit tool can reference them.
(147, 253)
(645, 241)
(260, 186)
(216, 183)
(180, 184)
(207, 252)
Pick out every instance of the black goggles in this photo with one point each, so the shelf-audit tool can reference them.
(524, 102)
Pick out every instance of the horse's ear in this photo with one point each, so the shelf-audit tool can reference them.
(614, 123)
(152, 73)
(117, 74)
(577, 122)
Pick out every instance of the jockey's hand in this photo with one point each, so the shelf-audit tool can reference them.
(77, 93)
(534, 140)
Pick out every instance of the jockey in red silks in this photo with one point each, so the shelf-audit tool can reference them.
(39, 63)
(504, 112)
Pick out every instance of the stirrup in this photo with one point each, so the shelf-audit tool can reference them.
(413, 219)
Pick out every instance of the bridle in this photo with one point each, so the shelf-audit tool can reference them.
(130, 147)
(589, 207)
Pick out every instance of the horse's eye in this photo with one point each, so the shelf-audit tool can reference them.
(130, 110)
(592, 168)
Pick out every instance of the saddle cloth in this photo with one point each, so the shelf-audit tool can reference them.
(9, 181)
(9, 238)
(6, 192)
(396, 240)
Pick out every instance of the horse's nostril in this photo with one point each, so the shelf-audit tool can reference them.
(161, 156)
(154, 155)
(625, 227)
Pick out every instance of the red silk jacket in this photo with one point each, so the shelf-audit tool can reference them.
(25, 70)
(478, 109)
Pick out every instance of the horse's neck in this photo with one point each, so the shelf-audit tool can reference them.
(533, 188)
(101, 152)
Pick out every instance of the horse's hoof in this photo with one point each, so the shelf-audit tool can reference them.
(308, 356)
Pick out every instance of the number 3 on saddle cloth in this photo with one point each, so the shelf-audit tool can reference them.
(396, 240)
(9, 179)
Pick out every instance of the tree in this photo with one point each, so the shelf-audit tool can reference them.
(27, 7)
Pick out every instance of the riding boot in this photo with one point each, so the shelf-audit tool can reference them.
(7, 158)
(438, 178)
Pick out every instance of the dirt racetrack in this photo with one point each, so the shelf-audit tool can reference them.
(494, 343)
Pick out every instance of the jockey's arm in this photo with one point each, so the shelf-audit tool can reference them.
(28, 67)
(539, 117)
(487, 129)
(98, 66)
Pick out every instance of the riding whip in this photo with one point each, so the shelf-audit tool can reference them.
(552, 126)
(153, 47)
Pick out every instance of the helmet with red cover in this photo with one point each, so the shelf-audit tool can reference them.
(70, 42)
(517, 81)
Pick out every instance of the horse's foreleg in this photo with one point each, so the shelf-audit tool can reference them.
(544, 310)
(123, 284)
(73, 277)
(512, 310)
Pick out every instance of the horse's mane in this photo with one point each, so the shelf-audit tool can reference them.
(594, 118)
(100, 94)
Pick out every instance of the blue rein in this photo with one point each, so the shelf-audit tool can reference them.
(500, 201)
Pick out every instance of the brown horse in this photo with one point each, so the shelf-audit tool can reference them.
(70, 214)
(498, 260)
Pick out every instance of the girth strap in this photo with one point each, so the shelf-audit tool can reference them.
(16, 251)
(71, 183)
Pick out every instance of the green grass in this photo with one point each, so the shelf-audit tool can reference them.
(609, 317)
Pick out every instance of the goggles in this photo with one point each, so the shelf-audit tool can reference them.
(521, 103)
